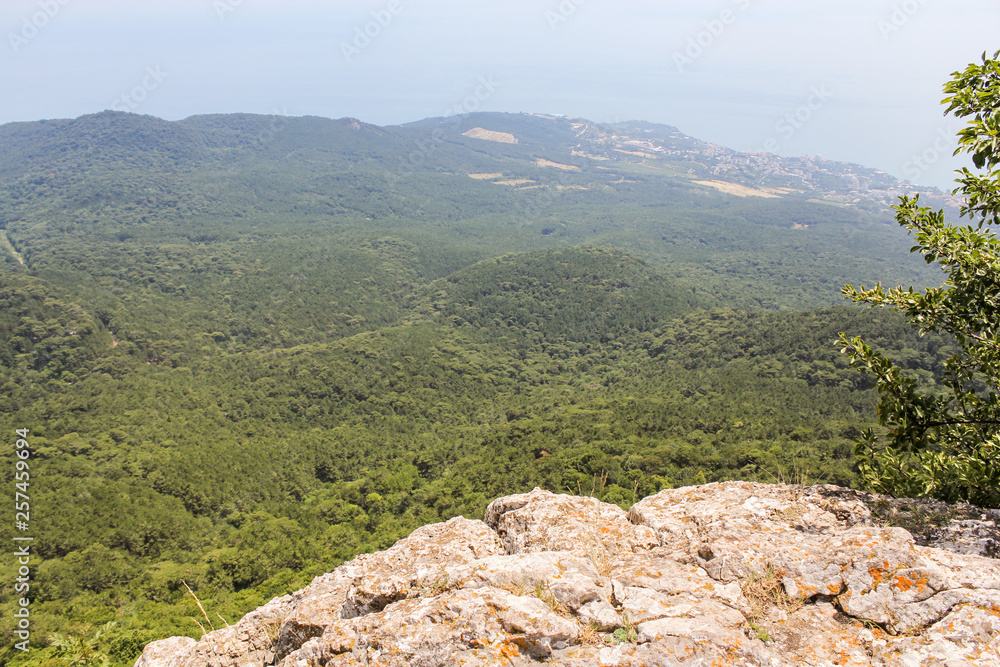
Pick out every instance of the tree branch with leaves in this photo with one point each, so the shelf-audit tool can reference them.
(944, 441)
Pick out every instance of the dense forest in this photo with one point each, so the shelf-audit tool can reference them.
(249, 348)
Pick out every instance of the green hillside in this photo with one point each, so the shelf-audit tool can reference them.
(584, 294)
(249, 348)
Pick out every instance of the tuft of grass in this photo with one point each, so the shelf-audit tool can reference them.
(273, 631)
(203, 613)
(544, 593)
(760, 631)
(764, 590)
(591, 636)
(627, 633)
(598, 484)
(436, 588)
(600, 557)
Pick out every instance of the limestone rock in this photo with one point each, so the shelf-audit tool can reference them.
(960, 528)
(722, 574)
(164, 651)
(544, 521)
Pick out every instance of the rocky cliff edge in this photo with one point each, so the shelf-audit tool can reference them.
(734, 573)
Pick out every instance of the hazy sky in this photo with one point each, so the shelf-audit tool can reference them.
(853, 80)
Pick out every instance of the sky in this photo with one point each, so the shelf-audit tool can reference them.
(852, 80)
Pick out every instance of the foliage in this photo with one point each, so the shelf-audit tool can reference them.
(590, 294)
(943, 441)
(246, 474)
(627, 633)
(84, 652)
(249, 349)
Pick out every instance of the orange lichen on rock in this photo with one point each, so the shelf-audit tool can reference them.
(904, 583)
(805, 590)
(508, 652)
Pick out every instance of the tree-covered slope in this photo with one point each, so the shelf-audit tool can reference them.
(113, 178)
(582, 294)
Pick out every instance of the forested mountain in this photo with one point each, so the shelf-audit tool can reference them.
(248, 348)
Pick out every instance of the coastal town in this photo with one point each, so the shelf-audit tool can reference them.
(663, 147)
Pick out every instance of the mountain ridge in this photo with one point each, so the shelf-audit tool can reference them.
(630, 145)
(661, 144)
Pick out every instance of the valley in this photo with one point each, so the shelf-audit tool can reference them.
(249, 348)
